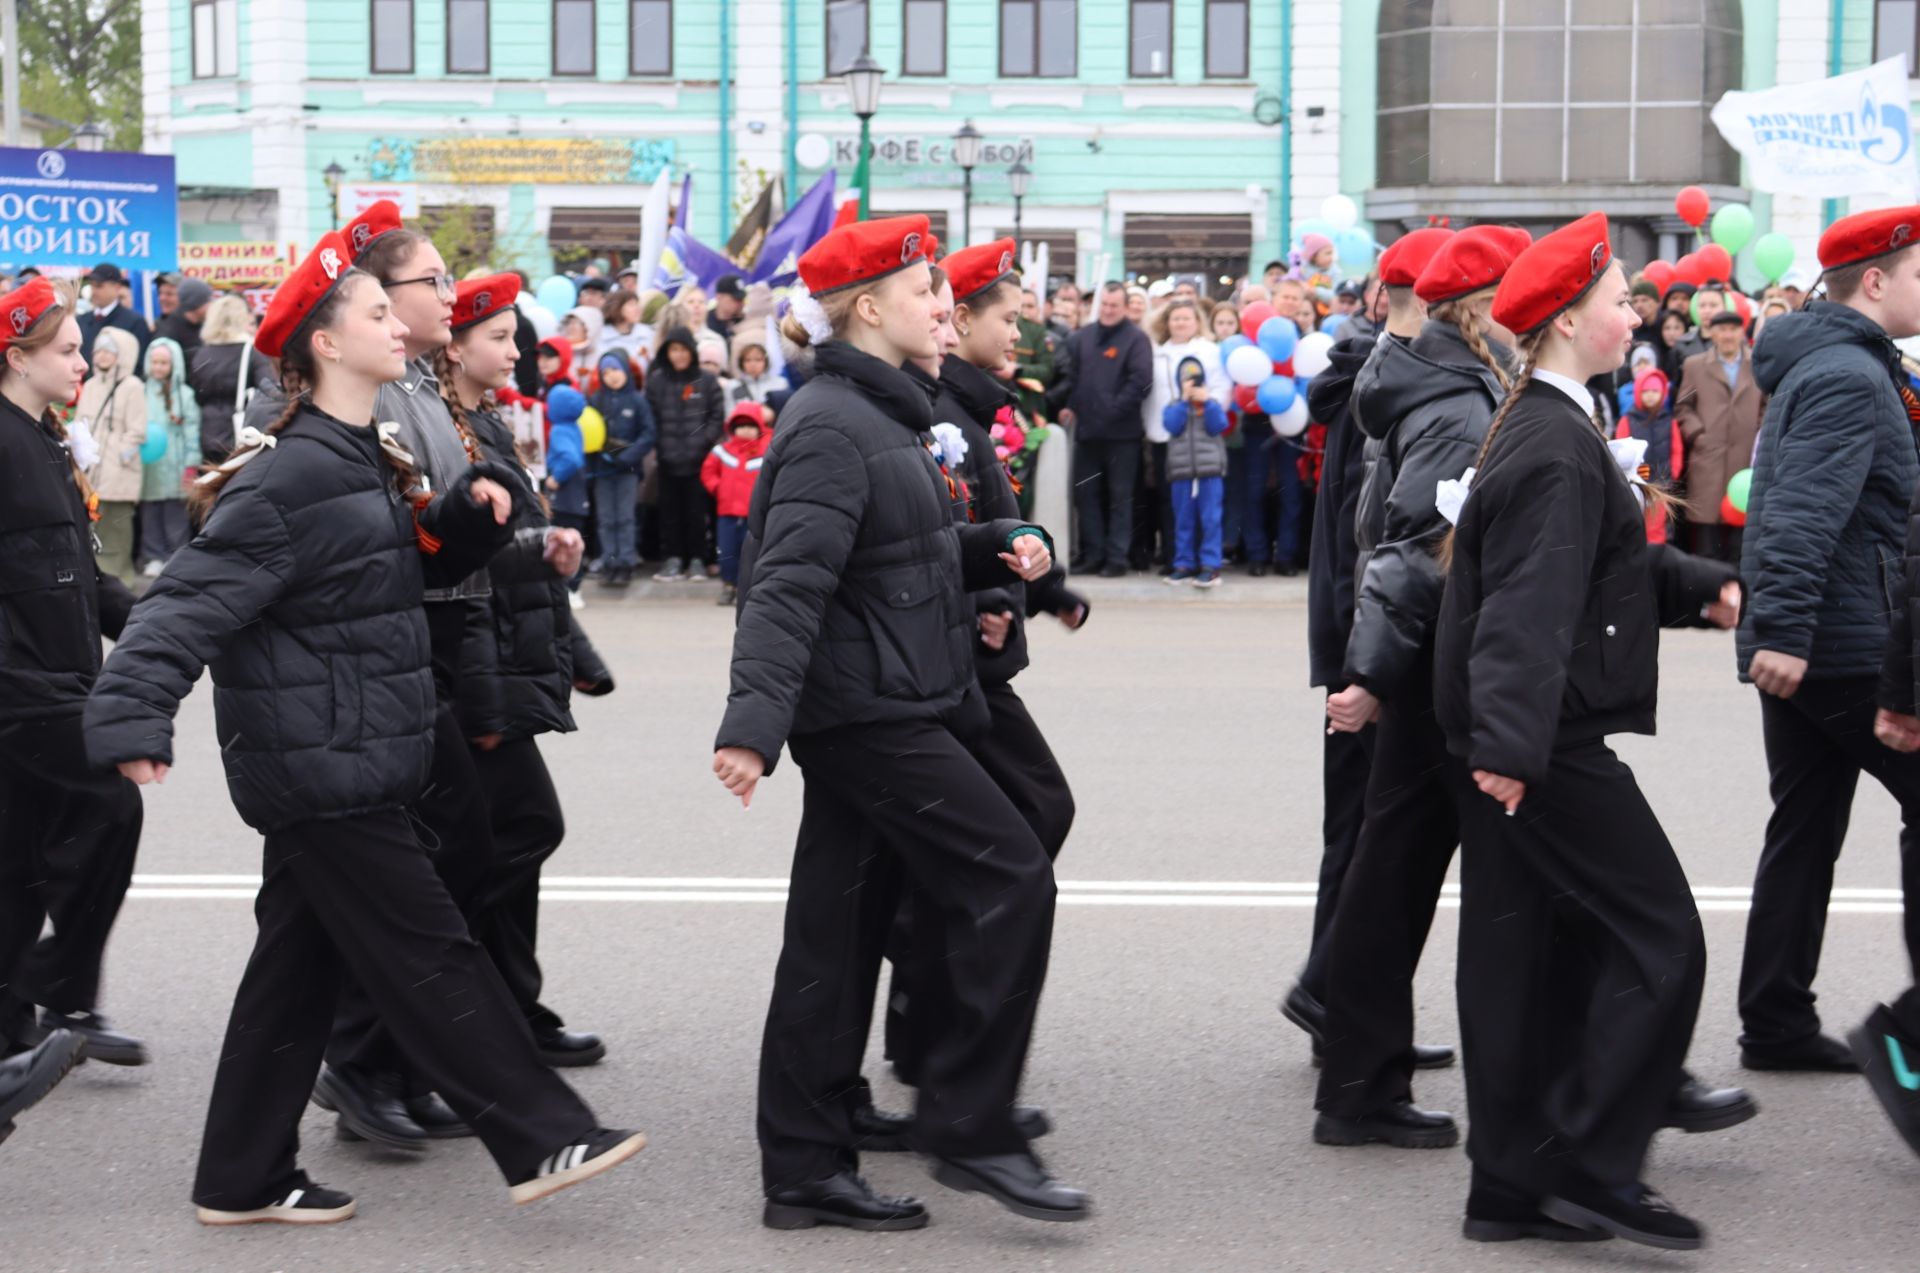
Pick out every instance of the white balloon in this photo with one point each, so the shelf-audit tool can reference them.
(1249, 365)
(1313, 354)
(544, 323)
(1340, 210)
(1293, 421)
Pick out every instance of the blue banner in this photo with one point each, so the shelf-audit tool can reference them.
(73, 207)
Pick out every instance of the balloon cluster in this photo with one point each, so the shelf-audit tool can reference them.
(1729, 230)
(550, 300)
(1271, 364)
(1339, 221)
(1733, 507)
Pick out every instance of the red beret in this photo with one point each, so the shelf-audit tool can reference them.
(933, 248)
(476, 300)
(1865, 235)
(310, 283)
(382, 218)
(25, 306)
(1470, 261)
(975, 269)
(1401, 263)
(863, 251)
(1553, 274)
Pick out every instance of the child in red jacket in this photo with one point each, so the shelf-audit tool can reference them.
(728, 473)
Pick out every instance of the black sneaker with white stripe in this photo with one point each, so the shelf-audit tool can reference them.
(570, 1164)
(305, 1204)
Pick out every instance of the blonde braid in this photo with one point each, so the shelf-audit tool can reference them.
(1529, 353)
(1473, 330)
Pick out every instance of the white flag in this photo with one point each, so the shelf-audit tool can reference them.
(653, 228)
(1847, 135)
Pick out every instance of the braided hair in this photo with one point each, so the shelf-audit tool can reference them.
(1528, 350)
(1472, 323)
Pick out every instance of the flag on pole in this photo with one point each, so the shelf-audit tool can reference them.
(687, 260)
(744, 246)
(862, 179)
(684, 216)
(804, 225)
(654, 220)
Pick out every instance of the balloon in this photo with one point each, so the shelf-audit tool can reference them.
(1312, 355)
(1739, 488)
(593, 431)
(1731, 515)
(1773, 253)
(154, 449)
(1717, 261)
(1252, 316)
(1303, 383)
(1693, 205)
(1742, 305)
(1319, 225)
(1293, 421)
(1276, 395)
(1660, 274)
(1246, 397)
(544, 323)
(1353, 248)
(1341, 211)
(558, 294)
(1691, 269)
(1284, 367)
(1231, 343)
(1733, 226)
(1277, 338)
(1249, 366)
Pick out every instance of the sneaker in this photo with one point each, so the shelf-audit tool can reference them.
(26, 1078)
(1180, 576)
(696, 571)
(1206, 579)
(571, 1164)
(1891, 1063)
(312, 1204)
(575, 601)
(669, 572)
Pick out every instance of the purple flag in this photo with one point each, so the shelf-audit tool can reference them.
(804, 225)
(683, 217)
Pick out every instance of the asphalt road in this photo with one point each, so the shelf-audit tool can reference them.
(1183, 1100)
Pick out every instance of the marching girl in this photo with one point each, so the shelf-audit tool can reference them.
(518, 675)
(302, 593)
(1424, 405)
(854, 650)
(1581, 952)
(68, 830)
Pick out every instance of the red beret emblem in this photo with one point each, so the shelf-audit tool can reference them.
(1598, 260)
(1006, 262)
(361, 233)
(20, 319)
(1901, 233)
(909, 248)
(330, 262)
(481, 300)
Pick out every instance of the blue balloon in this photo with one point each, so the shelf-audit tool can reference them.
(558, 294)
(1303, 383)
(1231, 343)
(1276, 395)
(1325, 229)
(1278, 336)
(154, 449)
(1353, 248)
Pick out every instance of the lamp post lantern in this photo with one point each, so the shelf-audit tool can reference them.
(1019, 180)
(863, 86)
(966, 152)
(333, 174)
(90, 137)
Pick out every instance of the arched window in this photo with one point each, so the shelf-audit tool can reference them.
(1555, 92)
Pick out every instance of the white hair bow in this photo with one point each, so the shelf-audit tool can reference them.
(812, 317)
(248, 443)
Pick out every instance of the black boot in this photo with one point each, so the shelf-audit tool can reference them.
(1402, 1124)
(1695, 1107)
(1307, 1012)
(370, 1107)
(1017, 1182)
(1634, 1212)
(27, 1077)
(879, 1131)
(103, 1042)
(845, 1200)
(562, 1048)
(1815, 1054)
(1496, 1213)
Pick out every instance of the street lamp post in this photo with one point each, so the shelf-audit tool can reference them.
(1019, 178)
(90, 137)
(333, 174)
(966, 152)
(863, 86)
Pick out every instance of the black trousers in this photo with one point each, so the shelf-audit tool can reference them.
(1819, 742)
(1015, 755)
(527, 827)
(1579, 978)
(683, 504)
(1152, 511)
(1385, 910)
(68, 836)
(1714, 541)
(962, 843)
(357, 897)
(1103, 478)
(1345, 762)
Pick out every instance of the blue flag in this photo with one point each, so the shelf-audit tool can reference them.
(687, 260)
(804, 225)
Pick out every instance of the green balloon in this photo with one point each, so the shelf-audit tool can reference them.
(1733, 226)
(1739, 486)
(1773, 253)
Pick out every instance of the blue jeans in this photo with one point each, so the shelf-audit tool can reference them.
(1285, 456)
(1254, 534)
(729, 533)
(1197, 505)
(614, 498)
(1231, 519)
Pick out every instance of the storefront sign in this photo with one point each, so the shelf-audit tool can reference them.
(357, 199)
(513, 160)
(240, 264)
(932, 152)
(73, 207)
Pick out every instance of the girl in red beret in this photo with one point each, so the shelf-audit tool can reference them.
(302, 595)
(1581, 952)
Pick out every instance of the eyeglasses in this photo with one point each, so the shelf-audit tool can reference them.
(442, 284)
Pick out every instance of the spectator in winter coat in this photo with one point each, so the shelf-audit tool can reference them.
(1649, 419)
(193, 297)
(108, 290)
(1195, 425)
(581, 327)
(1113, 362)
(753, 371)
(556, 365)
(113, 408)
(615, 468)
(172, 448)
(716, 362)
(688, 406)
(624, 333)
(1718, 410)
(729, 473)
(213, 373)
(566, 457)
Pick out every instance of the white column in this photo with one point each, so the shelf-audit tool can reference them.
(156, 76)
(277, 77)
(1316, 84)
(1803, 52)
(760, 98)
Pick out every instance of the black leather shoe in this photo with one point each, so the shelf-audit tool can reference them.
(1815, 1054)
(370, 1107)
(436, 1117)
(845, 1200)
(1483, 1229)
(1402, 1123)
(1310, 1015)
(1258, 570)
(1695, 1107)
(27, 1077)
(1113, 572)
(103, 1043)
(1635, 1213)
(564, 1048)
(1017, 1182)
(879, 1131)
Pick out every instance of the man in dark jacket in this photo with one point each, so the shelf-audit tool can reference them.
(182, 326)
(1113, 363)
(109, 287)
(1826, 520)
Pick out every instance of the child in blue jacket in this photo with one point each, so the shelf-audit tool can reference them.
(1196, 477)
(566, 483)
(615, 468)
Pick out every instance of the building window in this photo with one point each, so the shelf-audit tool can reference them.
(468, 49)
(923, 39)
(216, 39)
(573, 36)
(846, 34)
(1039, 38)
(650, 37)
(393, 37)
(1227, 39)
(1150, 38)
(1894, 32)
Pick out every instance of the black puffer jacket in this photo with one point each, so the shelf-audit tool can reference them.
(854, 576)
(1331, 557)
(54, 602)
(213, 373)
(689, 407)
(303, 595)
(968, 397)
(1549, 632)
(1424, 406)
(1832, 482)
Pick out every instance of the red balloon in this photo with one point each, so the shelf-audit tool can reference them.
(1693, 205)
(1691, 269)
(1282, 368)
(1729, 514)
(1246, 397)
(1660, 274)
(1743, 306)
(1717, 261)
(1252, 316)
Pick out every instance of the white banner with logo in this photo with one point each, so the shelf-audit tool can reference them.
(1852, 134)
